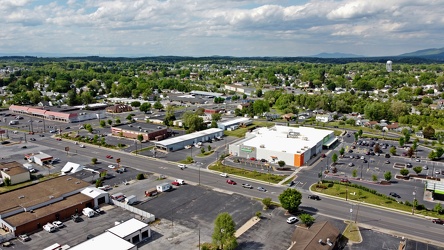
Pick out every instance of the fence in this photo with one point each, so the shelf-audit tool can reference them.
(148, 216)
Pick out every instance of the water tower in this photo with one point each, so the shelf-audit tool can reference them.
(388, 66)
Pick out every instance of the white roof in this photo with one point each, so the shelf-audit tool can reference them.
(234, 121)
(128, 227)
(42, 155)
(69, 166)
(189, 136)
(105, 241)
(198, 92)
(93, 192)
(276, 139)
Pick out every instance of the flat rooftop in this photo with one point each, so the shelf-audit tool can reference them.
(106, 240)
(189, 136)
(40, 192)
(25, 217)
(234, 121)
(128, 227)
(14, 168)
(276, 139)
(149, 127)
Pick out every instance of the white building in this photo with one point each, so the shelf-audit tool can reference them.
(294, 145)
(99, 196)
(42, 158)
(324, 118)
(132, 230)
(106, 240)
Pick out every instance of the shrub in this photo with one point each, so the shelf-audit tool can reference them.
(94, 160)
(140, 176)
(258, 214)
(266, 202)
(330, 185)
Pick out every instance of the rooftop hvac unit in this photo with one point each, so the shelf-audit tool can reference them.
(262, 146)
(320, 241)
(50, 197)
(21, 197)
(329, 242)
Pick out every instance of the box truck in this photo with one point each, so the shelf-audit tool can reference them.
(130, 199)
(163, 187)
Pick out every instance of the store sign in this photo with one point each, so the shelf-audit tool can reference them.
(247, 149)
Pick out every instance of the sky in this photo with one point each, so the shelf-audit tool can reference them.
(240, 28)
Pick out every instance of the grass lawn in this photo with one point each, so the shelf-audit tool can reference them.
(358, 195)
(143, 149)
(206, 153)
(272, 178)
(352, 233)
(240, 132)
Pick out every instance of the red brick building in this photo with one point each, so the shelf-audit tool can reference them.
(147, 130)
(119, 108)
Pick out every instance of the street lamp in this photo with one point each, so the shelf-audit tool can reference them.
(413, 202)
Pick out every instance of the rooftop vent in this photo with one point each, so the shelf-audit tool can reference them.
(78, 182)
(21, 196)
(329, 242)
(51, 197)
(69, 179)
(262, 146)
(320, 241)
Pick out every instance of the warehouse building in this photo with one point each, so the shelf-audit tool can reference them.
(179, 142)
(15, 172)
(61, 114)
(147, 130)
(293, 145)
(28, 209)
(234, 123)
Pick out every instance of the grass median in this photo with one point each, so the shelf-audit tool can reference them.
(271, 178)
(359, 194)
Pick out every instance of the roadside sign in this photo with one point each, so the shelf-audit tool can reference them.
(118, 160)
(67, 149)
(2, 132)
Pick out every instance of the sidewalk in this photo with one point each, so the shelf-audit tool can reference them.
(246, 226)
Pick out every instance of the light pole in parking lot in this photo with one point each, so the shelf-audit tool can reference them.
(413, 202)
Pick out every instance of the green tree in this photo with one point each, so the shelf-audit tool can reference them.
(439, 152)
(202, 150)
(438, 208)
(7, 181)
(407, 137)
(342, 151)
(140, 137)
(355, 172)
(135, 104)
(374, 177)
(266, 202)
(259, 93)
(334, 158)
(401, 141)
(169, 116)
(393, 150)
(209, 148)
(307, 219)
(192, 122)
(223, 233)
(157, 105)
(428, 132)
(290, 199)
(118, 121)
(102, 123)
(404, 171)
(144, 107)
(110, 122)
(432, 155)
(388, 176)
(129, 117)
(417, 169)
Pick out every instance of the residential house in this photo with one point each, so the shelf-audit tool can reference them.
(324, 118)
(15, 172)
(243, 105)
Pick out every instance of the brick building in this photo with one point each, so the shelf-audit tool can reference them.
(119, 108)
(147, 130)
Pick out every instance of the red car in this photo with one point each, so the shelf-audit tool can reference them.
(438, 221)
(231, 182)
(252, 159)
(58, 139)
(345, 181)
(109, 157)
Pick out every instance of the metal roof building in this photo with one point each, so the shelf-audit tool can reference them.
(106, 240)
(233, 122)
(205, 93)
(179, 142)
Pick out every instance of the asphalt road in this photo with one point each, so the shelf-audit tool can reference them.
(405, 225)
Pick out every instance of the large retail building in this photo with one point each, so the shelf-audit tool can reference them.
(294, 145)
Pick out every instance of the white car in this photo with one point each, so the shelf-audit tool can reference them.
(182, 166)
(58, 224)
(112, 166)
(224, 175)
(418, 160)
(362, 157)
(292, 220)
(82, 146)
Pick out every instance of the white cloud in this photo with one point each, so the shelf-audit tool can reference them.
(232, 27)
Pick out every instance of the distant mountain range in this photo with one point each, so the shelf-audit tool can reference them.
(336, 55)
(437, 54)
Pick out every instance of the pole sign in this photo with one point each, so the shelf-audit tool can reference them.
(66, 149)
(118, 160)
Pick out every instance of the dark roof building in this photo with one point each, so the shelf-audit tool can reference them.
(147, 130)
(119, 108)
(320, 236)
(28, 209)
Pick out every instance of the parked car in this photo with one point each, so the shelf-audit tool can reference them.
(182, 166)
(425, 167)
(42, 135)
(112, 166)
(109, 157)
(224, 175)
(387, 162)
(24, 237)
(75, 218)
(292, 220)
(387, 155)
(261, 189)
(82, 146)
(32, 139)
(175, 183)
(345, 181)
(105, 188)
(247, 186)
(49, 227)
(58, 224)
(438, 221)
(314, 197)
(58, 139)
(418, 160)
(351, 164)
(252, 158)
(263, 160)
(231, 182)
(393, 194)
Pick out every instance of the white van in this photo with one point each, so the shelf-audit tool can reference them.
(49, 228)
(88, 212)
